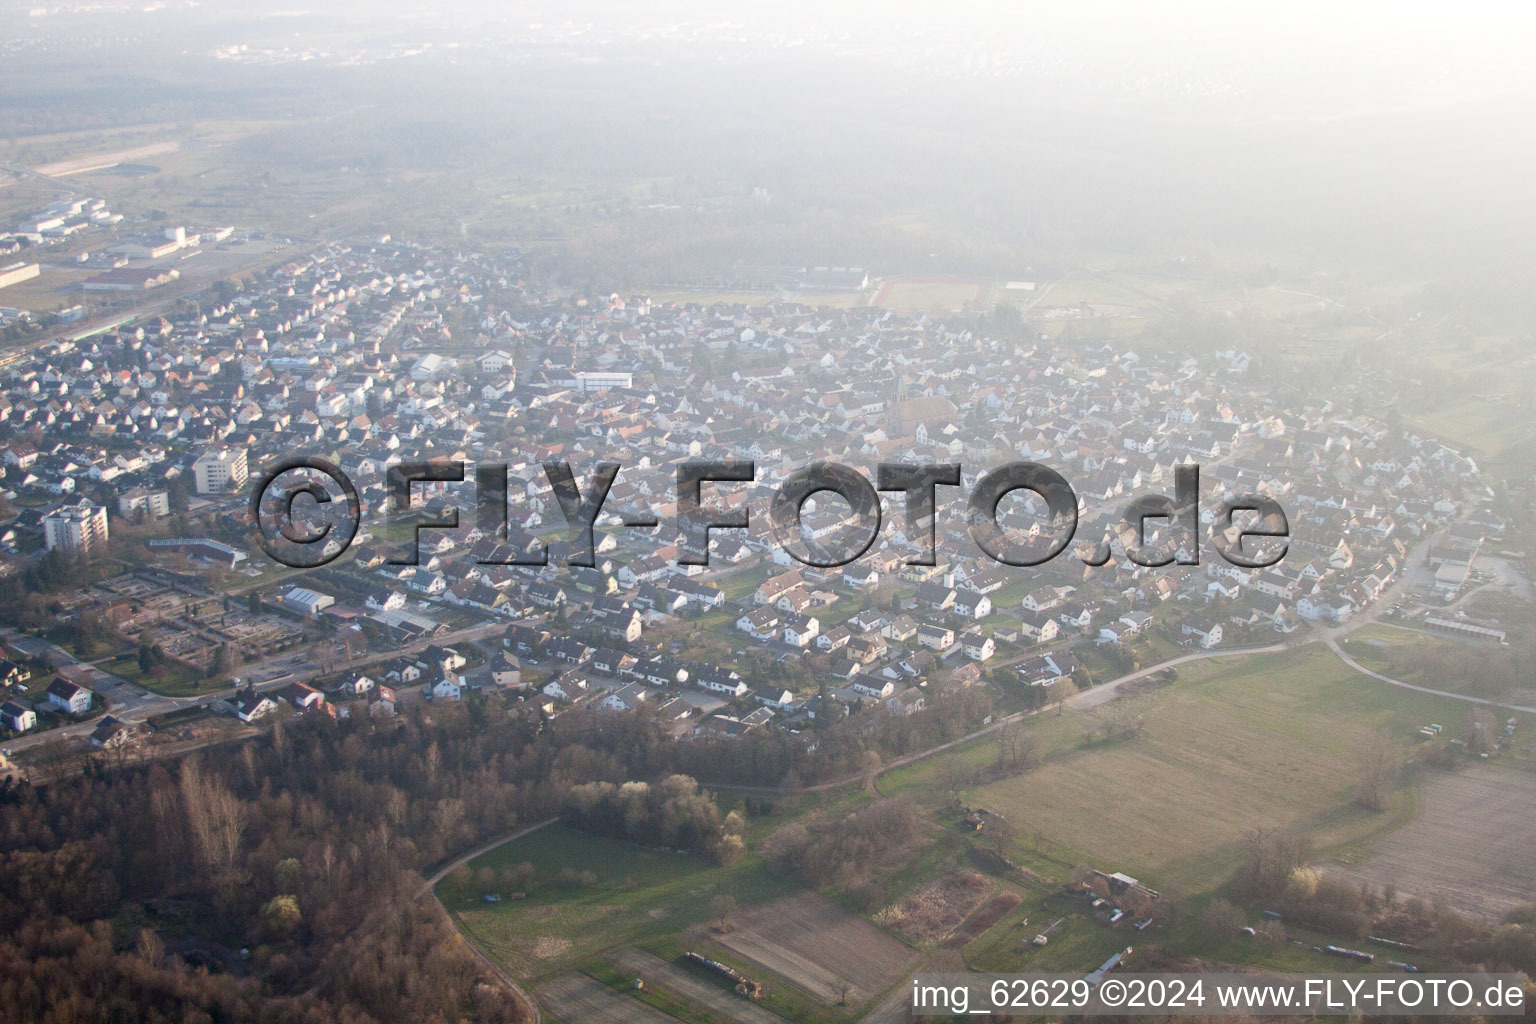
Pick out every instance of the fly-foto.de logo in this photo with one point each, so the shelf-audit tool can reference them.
(307, 512)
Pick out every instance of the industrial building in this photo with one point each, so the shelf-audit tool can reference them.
(202, 549)
(16, 273)
(600, 380)
(127, 279)
(149, 248)
(306, 602)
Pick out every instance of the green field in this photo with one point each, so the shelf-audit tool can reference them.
(640, 895)
(1271, 741)
(175, 680)
(1392, 652)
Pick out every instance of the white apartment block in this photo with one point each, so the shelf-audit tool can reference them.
(154, 504)
(78, 529)
(220, 470)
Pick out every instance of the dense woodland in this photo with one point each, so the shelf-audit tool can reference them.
(277, 879)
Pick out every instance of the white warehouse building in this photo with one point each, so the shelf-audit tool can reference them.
(307, 602)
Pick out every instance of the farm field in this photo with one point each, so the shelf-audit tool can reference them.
(1269, 741)
(932, 912)
(1472, 846)
(577, 999)
(820, 947)
(638, 894)
(719, 1001)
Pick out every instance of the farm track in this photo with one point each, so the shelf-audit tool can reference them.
(719, 1002)
(820, 948)
(1486, 702)
(577, 999)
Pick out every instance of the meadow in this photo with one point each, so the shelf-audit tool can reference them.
(638, 895)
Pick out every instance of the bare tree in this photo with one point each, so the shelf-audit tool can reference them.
(1378, 771)
(1062, 691)
(1000, 833)
(721, 909)
(215, 817)
(1221, 920)
(1017, 748)
(955, 778)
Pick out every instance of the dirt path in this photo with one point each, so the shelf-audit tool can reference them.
(528, 1003)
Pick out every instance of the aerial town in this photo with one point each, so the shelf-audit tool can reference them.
(129, 447)
(812, 513)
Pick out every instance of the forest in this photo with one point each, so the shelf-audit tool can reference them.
(277, 879)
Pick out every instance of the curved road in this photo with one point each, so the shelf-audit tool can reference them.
(1352, 663)
(529, 1004)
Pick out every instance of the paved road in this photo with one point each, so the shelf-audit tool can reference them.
(1352, 663)
(122, 697)
(1097, 695)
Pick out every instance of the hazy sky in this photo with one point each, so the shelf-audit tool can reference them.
(1315, 57)
(1305, 58)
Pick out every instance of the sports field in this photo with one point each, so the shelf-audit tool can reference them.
(924, 294)
(1271, 741)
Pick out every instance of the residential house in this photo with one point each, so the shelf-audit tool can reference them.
(111, 734)
(1038, 627)
(978, 646)
(801, 630)
(1205, 632)
(936, 638)
(17, 718)
(251, 705)
(506, 671)
(69, 697)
